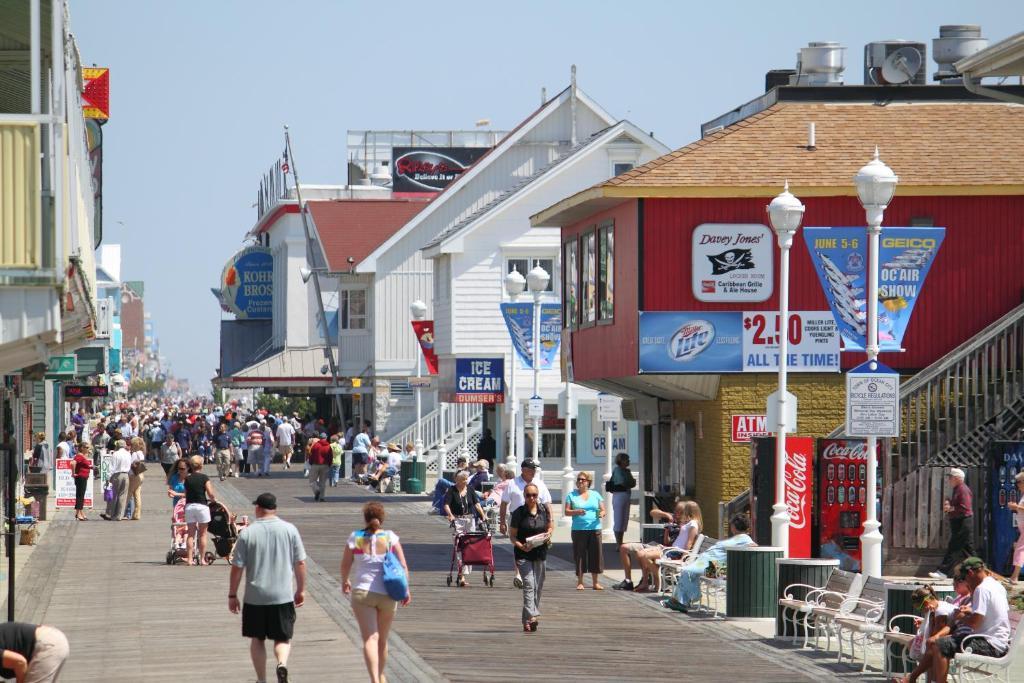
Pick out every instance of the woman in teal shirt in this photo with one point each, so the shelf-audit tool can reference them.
(586, 508)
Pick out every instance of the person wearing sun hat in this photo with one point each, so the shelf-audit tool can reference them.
(959, 509)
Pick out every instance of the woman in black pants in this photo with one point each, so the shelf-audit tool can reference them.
(82, 466)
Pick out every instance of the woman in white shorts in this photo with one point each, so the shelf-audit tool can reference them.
(198, 496)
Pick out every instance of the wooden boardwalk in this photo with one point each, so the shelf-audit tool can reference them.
(474, 633)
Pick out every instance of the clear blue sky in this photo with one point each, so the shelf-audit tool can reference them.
(201, 88)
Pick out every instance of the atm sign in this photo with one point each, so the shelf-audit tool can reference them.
(744, 427)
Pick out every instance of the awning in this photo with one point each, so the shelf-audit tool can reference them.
(292, 367)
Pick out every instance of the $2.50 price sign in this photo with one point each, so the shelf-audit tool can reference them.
(812, 335)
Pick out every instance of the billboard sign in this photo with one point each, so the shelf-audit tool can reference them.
(247, 284)
(478, 380)
(430, 169)
(732, 262)
(735, 341)
(840, 257)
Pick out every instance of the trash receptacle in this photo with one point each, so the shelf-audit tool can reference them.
(40, 493)
(751, 582)
(413, 476)
(810, 572)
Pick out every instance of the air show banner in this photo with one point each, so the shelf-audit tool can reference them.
(519, 320)
(735, 341)
(840, 257)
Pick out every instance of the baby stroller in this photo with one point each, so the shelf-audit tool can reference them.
(179, 533)
(472, 549)
(224, 531)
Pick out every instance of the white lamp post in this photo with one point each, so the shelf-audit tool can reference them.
(876, 185)
(537, 280)
(568, 475)
(515, 283)
(419, 311)
(785, 213)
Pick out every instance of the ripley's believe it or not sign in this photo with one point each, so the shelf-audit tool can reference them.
(430, 169)
(247, 283)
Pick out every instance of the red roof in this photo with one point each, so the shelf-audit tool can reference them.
(353, 228)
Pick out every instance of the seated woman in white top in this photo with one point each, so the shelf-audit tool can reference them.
(686, 525)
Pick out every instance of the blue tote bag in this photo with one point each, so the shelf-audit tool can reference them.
(396, 583)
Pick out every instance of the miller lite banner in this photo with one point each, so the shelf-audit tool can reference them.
(430, 169)
(799, 493)
(840, 257)
(424, 330)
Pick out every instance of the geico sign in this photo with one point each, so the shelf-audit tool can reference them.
(908, 242)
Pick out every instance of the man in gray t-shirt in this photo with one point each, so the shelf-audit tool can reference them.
(269, 552)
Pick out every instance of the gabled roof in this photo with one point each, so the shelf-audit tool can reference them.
(1005, 58)
(936, 148)
(352, 228)
(369, 264)
(624, 131)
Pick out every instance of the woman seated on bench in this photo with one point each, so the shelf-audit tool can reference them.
(684, 528)
(688, 585)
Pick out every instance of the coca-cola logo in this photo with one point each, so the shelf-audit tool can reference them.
(849, 450)
(428, 170)
(690, 340)
(796, 489)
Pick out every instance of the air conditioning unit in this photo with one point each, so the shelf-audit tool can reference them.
(640, 409)
(895, 62)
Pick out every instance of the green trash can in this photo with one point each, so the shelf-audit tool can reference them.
(413, 475)
(751, 582)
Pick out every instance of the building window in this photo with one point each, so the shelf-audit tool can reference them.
(588, 279)
(571, 284)
(620, 168)
(606, 272)
(525, 265)
(353, 309)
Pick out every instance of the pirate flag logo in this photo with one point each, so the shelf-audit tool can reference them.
(728, 261)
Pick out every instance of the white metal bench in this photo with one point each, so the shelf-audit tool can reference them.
(968, 667)
(841, 585)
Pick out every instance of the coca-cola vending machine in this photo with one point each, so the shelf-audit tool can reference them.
(842, 499)
(799, 491)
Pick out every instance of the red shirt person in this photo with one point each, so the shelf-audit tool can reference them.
(81, 469)
(959, 510)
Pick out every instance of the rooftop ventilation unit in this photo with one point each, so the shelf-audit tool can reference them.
(895, 62)
(820, 63)
(955, 42)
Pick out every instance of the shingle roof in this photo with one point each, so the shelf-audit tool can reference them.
(926, 144)
(355, 227)
(459, 226)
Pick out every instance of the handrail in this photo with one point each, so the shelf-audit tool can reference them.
(964, 350)
(440, 424)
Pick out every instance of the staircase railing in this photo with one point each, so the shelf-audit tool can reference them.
(952, 409)
(440, 424)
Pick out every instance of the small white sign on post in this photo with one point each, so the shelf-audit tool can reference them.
(609, 407)
(872, 401)
(536, 407)
(772, 413)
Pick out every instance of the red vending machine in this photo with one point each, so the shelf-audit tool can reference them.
(799, 495)
(842, 499)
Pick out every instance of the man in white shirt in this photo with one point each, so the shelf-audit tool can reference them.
(988, 617)
(285, 439)
(120, 465)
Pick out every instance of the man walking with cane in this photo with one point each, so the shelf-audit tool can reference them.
(959, 510)
(269, 551)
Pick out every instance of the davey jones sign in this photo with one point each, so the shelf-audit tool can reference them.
(732, 262)
(736, 341)
(247, 283)
(430, 169)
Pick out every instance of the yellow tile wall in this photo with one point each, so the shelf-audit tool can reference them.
(723, 467)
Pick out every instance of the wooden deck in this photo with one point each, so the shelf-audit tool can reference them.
(474, 633)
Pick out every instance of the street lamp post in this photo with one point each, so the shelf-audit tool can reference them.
(419, 311)
(876, 185)
(537, 280)
(785, 212)
(515, 283)
(567, 472)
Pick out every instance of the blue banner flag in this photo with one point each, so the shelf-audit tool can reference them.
(519, 320)
(840, 257)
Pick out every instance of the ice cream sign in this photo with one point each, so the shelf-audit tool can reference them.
(840, 257)
(247, 283)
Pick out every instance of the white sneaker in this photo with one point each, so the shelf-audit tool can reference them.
(937, 575)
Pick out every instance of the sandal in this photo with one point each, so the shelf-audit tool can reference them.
(580, 587)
